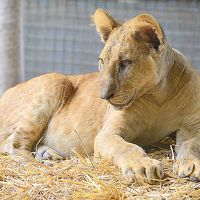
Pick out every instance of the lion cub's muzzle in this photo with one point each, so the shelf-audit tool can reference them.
(106, 93)
(107, 88)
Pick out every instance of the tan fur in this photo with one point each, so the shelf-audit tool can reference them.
(151, 91)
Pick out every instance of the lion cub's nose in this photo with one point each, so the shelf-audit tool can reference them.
(106, 93)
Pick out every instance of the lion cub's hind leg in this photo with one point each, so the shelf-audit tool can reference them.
(46, 153)
(23, 121)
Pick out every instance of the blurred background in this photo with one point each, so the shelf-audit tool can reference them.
(40, 36)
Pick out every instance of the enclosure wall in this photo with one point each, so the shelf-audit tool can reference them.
(59, 35)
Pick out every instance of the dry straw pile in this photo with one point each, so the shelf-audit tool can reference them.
(88, 178)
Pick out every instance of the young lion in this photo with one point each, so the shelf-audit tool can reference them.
(150, 90)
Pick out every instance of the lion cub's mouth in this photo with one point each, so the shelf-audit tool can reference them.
(123, 105)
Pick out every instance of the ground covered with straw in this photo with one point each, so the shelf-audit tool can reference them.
(89, 178)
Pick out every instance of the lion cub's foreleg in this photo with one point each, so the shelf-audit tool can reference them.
(132, 159)
(188, 155)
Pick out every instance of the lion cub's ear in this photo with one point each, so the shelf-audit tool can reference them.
(147, 35)
(150, 20)
(104, 24)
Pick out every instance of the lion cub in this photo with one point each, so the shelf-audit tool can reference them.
(147, 91)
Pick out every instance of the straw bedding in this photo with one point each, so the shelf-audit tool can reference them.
(89, 178)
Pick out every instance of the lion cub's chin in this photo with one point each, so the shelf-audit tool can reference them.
(123, 105)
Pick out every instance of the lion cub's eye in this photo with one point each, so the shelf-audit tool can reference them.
(125, 63)
(101, 62)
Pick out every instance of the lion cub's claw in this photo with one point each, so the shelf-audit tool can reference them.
(144, 171)
(189, 168)
(46, 153)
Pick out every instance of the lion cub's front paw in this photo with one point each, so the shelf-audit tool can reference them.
(144, 170)
(189, 168)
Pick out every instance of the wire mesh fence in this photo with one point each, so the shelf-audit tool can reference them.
(58, 35)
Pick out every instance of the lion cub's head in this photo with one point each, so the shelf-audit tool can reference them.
(129, 60)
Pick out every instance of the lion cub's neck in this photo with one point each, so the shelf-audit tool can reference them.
(176, 79)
